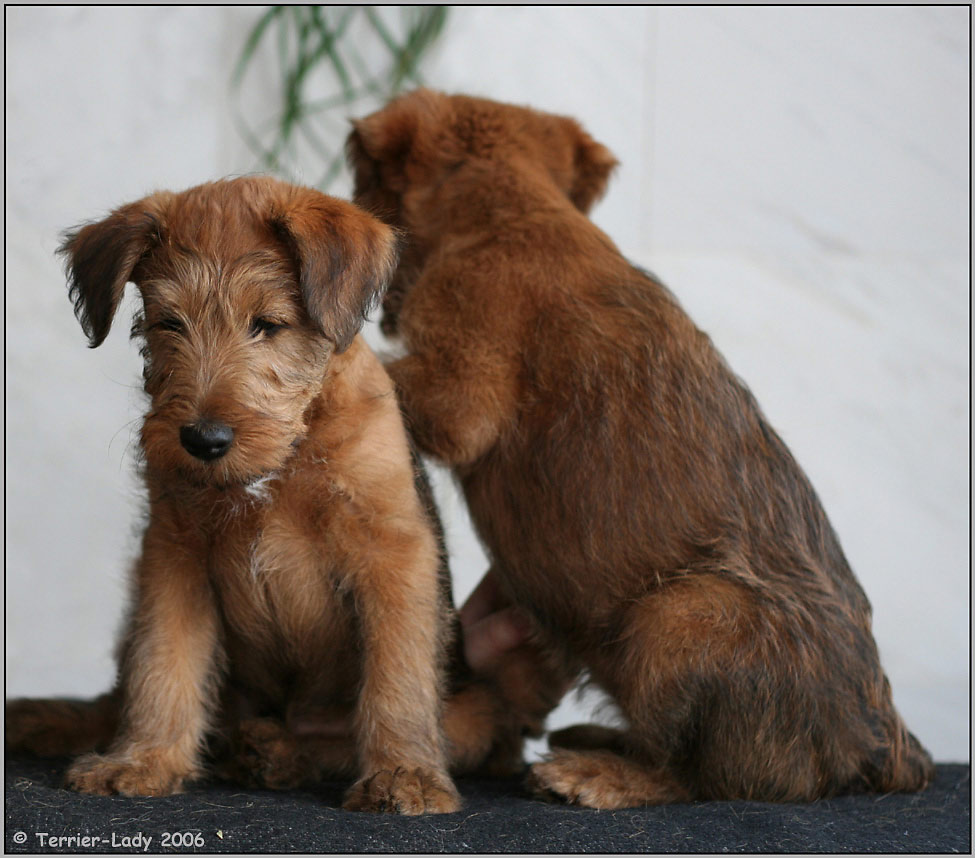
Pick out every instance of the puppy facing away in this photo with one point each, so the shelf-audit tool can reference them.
(289, 568)
(628, 489)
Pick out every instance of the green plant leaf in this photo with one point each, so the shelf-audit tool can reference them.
(253, 38)
(319, 49)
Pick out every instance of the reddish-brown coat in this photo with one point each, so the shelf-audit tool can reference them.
(296, 576)
(625, 483)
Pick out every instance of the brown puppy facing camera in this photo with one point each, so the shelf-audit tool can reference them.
(289, 569)
(631, 495)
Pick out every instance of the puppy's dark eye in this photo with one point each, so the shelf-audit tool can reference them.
(170, 324)
(266, 327)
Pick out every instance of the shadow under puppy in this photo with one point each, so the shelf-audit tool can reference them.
(629, 491)
(288, 566)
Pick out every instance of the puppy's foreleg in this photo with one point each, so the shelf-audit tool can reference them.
(401, 748)
(454, 412)
(168, 678)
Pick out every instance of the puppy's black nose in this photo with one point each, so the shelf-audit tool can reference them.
(207, 440)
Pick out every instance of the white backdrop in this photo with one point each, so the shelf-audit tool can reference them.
(798, 176)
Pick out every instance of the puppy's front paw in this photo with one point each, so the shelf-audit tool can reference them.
(406, 790)
(124, 775)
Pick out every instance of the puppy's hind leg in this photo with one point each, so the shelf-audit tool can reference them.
(61, 728)
(669, 635)
(603, 780)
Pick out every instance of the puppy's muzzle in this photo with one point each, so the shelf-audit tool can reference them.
(207, 440)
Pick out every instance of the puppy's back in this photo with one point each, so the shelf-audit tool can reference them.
(638, 452)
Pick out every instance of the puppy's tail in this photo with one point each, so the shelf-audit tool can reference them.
(61, 728)
(908, 767)
(896, 761)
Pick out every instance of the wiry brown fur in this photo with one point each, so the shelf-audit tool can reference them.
(286, 599)
(629, 491)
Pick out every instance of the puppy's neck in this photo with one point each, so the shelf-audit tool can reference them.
(508, 194)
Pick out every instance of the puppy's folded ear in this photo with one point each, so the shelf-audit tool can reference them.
(379, 145)
(100, 258)
(592, 165)
(345, 260)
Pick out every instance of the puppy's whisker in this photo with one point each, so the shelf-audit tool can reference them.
(127, 425)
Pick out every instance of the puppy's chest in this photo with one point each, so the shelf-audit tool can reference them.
(282, 589)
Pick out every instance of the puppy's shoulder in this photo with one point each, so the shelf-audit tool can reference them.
(360, 423)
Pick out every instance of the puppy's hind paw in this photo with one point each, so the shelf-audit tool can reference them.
(409, 791)
(601, 779)
(265, 756)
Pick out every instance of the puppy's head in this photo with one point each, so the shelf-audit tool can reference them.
(422, 137)
(248, 287)
(425, 147)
